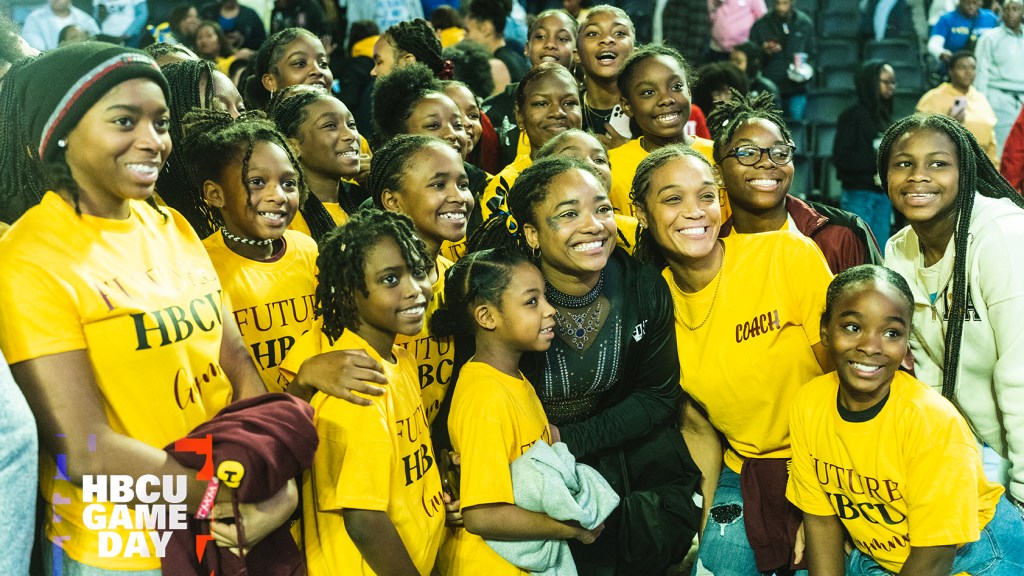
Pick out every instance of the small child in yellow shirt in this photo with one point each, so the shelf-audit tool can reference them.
(497, 296)
(372, 502)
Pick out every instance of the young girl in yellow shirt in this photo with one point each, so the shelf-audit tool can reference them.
(372, 502)
(251, 179)
(497, 296)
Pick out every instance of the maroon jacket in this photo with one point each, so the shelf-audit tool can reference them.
(273, 438)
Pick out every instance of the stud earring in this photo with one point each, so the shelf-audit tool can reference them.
(62, 143)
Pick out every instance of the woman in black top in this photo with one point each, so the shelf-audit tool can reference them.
(610, 381)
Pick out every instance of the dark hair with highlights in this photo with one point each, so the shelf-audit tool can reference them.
(480, 277)
(729, 115)
(213, 141)
(647, 250)
(976, 174)
(862, 274)
(342, 261)
(530, 189)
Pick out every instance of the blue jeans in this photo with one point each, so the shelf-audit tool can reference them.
(996, 553)
(874, 207)
(724, 549)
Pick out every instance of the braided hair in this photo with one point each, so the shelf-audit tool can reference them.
(472, 65)
(647, 250)
(391, 161)
(179, 184)
(729, 115)
(394, 96)
(214, 140)
(477, 278)
(23, 180)
(416, 37)
(862, 274)
(977, 176)
(342, 261)
(256, 95)
(173, 53)
(288, 111)
(504, 227)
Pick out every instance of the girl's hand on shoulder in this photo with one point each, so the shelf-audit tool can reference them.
(613, 138)
(364, 169)
(340, 373)
(258, 520)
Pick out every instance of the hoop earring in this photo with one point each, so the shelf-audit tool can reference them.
(536, 253)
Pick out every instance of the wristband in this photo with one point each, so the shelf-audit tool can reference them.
(206, 505)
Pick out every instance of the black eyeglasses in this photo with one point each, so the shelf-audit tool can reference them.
(780, 154)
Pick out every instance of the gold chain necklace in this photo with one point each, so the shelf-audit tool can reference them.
(721, 272)
(594, 111)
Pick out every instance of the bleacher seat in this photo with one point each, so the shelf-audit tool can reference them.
(831, 187)
(824, 136)
(798, 130)
(834, 6)
(893, 51)
(825, 105)
(839, 77)
(832, 25)
(910, 77)
(904, 104)
(803, 176)
(833, 53)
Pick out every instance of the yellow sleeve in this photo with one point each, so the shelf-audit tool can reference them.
(307, 346)
(942, 488)
(809, 277)
(803, 488)
(41, 315)
(352, 467)
(482, 431)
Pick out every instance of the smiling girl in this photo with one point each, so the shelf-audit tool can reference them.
(959, 255)
(754, 154)
(93, 275)
(367, 511)
(655, 88)
(291, 56)
(326, 137)
(606, 40)
(879, 455)
(251, 178)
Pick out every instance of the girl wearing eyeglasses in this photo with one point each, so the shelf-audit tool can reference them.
(747, 309)
(754, 155)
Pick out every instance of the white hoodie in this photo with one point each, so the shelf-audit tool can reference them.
(990, 384)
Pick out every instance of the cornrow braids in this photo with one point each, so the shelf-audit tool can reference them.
(646, 52)
(859, 275)
(214, 140)
(394, 96)
(530, 189)
(647, 250)
(288, 111)
(179, 184)
(478, 278)
(257, 97)
(728, 115)
(416, 37)
(342, 261)
(977, 175)
(158, 50)
(390, 162)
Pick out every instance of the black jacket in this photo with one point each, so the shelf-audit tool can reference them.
(795, 32)
(853, 151)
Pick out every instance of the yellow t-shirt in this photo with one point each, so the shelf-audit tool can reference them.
(502, 182)
(435, 358)
(337, 213)
(910, 474)
(753, 353)
(141, 297)
(375, 457)
(626, 158)
(494, 419)
(273, 301)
